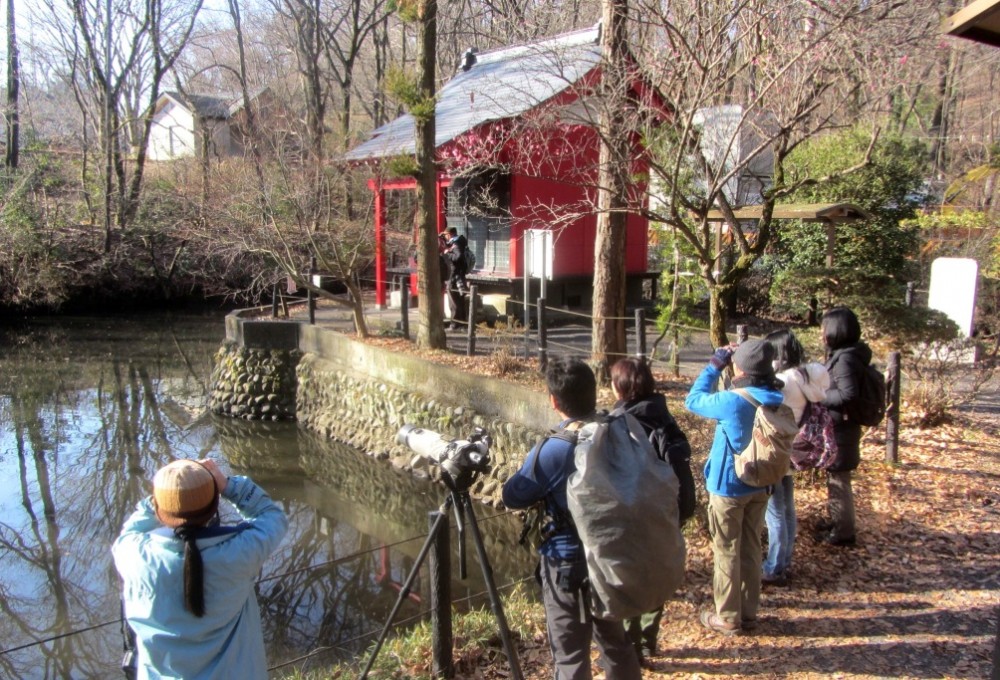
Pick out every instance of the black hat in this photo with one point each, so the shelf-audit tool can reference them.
(755, 357)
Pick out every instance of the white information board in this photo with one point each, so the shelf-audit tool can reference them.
(953, 290)
(539, 245)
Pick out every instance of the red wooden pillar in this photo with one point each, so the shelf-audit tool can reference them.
(441, 195)
(380, 273)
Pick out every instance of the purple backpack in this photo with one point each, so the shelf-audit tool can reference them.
(814, 446)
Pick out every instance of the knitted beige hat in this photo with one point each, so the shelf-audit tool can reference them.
(185, 494)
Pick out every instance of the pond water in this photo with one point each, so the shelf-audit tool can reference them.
(91, 407)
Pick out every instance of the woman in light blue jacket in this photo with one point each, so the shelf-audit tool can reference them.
(188, 583)
(735, 509)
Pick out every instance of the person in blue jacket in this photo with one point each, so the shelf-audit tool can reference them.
(188, 583)
(562, 569)
(735, 510)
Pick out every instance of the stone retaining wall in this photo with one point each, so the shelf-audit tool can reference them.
(362, 395)
(367, 413)
(254, 384)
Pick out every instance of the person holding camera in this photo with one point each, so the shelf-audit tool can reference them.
(735, 509)
(562, 570)
(188, 582)
(455, 246)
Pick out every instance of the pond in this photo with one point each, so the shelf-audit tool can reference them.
(91, 407)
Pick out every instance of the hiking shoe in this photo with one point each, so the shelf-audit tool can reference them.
(779, 580)
(824, 525)
(713, 621)
(645, 655)
(748, 624)
(831, 539)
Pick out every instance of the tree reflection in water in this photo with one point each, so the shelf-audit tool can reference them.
(92, 407)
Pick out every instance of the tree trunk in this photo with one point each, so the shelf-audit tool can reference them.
(13, 86)
(609, 245)
(430, 334)
(717, 314)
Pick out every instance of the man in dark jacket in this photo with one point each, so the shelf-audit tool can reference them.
(847, 357)
(562, 570)
(454, 250)
(457, 244)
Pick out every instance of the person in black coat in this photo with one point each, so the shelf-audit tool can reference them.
(634, 387)
(847, 357)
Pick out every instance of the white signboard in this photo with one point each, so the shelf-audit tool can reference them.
(539, 245)
(953, 290)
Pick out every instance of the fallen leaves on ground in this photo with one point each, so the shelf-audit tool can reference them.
(917, 598)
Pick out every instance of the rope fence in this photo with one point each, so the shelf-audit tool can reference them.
(342, 645)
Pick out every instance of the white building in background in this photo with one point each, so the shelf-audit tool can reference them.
(211, 126)
(192, 125)
(732, 138)
(729, 137)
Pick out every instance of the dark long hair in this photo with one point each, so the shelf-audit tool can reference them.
(194, 571)
(632, 378)
(840, 328)
(194, 566)
(788, 351)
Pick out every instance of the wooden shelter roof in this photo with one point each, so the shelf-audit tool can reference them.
(810, 212)
(978, 21)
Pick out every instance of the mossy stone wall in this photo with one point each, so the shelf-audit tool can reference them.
(368, 413)
(254, 384)
(362, 395)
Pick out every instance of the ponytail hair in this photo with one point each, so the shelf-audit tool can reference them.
(194, 571)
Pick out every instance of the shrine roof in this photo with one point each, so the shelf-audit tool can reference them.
(497, 85)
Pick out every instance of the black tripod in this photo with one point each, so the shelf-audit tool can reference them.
(461, 503)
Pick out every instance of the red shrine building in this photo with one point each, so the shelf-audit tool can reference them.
(517, 152)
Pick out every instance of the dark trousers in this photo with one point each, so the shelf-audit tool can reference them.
(571, 629)
(458, 302)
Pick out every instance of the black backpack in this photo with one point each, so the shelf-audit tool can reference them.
(869, 407)
(671, 445)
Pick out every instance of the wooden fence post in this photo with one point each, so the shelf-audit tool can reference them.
(471, 318)
(310, 297)
(640, 333)
(440, 577)
(543, 337)
(675, 351)
(274, 301)
(404, 306)
(892, 412)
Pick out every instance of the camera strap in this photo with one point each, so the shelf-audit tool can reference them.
(560, 517)
(130, 660)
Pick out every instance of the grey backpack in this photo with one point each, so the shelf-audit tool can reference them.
(623, 500)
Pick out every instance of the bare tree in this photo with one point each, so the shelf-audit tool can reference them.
(13, 89)
(112, 50)
(431, 330)
(749, 81)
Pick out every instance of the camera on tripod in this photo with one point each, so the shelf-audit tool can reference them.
(460, 460)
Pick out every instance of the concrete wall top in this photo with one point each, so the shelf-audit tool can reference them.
(484, 395)
(257, 334)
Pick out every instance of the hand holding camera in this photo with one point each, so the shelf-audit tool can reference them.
(723, 356)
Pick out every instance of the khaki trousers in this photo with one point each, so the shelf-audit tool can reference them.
(735, 525)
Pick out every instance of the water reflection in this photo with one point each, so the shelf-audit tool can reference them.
(92, 407)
